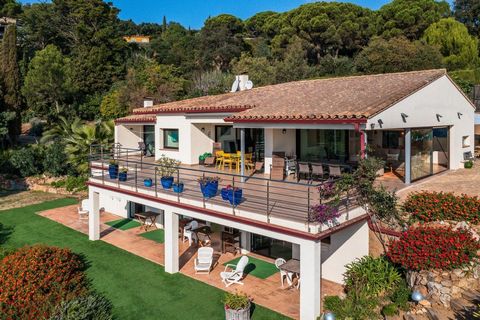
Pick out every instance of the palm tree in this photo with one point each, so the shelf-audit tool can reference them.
(78, 137)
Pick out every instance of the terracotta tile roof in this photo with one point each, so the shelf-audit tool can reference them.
(356, 97)
(138, 118)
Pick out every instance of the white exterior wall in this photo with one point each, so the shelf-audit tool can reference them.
(129, 135)
(192, 140)
(440, 97)
(284, 142)
(346, 245)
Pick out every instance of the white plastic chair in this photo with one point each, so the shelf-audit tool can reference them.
(235, 275)
(284, 274)
(204, 260)
(187, 231)
(83, 209)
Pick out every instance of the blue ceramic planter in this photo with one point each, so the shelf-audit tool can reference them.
(209, 189)
(166, 182)
(224, 193)
(148, 182)
(113, 171)
(178, 187)
(235, 197)
(122, 176)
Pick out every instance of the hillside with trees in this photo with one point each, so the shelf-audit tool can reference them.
(66, 61)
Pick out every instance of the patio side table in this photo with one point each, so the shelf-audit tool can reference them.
(147, 219)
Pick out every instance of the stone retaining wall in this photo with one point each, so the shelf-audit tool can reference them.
(443, 286)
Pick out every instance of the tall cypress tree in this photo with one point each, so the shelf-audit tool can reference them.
(10, 74)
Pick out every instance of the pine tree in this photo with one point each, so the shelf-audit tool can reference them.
(164, 24)
(10, 75)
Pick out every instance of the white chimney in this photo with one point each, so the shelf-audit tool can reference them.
(241, 83)
(147, 102)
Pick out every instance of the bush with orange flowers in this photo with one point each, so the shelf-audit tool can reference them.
(427, 247)
(435, 206)
(35, 280)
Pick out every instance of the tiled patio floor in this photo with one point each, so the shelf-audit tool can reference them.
(266, 292)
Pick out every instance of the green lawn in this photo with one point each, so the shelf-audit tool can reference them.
(155, 235)
(124, 224)
(138, 289)
(256, 267)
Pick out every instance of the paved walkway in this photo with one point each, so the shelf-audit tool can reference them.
(266, 292)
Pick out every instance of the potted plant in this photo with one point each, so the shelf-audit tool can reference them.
(148, 182)
(232, 194)
(167, 167)
(468, 164)
(178, 187)
(324, 213)
(209, 186)
(237, 306)
(113, 169)
(201, 158)
(122, 175)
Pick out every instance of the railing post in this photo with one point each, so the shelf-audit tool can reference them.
(141, 160)
(156, 191)
(233, 195)
(178, 182)
(127, 158)
(103, 171)
(308, 209)
(136, 173)
(268, 201)
(203, 195)
(101, 152)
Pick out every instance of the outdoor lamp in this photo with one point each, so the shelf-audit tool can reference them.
(459, 114)
(439, 116)
(329, 316)
(404, 116)
(284, 131)
(417, 296)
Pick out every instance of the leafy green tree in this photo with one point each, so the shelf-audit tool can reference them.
(336, 66)
(210, 82)
(459, 48)
(55, 162)
(328, 27)
(468, 13)
(78, 137)
(10, 80)
(219, 41)
(48, 85)
(396, 55)
(28, 161)
(111, 108)
(10, 8)
(259, 69)
(294, 65)
(410, 18)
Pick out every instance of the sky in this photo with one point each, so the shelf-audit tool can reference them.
(193, 13)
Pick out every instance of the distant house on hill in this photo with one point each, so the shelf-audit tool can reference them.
(137, 39)
(4, 22)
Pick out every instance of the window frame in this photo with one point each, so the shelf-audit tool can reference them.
(165, 138)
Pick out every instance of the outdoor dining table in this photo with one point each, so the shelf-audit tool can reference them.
(205, 232)
(147, 219)
(293, 266)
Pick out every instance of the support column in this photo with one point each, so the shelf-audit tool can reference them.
(245, 242)
(242, 152)
(268, 136)
(295, 251)
(94, 216)
(171, 242)
(363, 144)
(310, 280)
(408, 156)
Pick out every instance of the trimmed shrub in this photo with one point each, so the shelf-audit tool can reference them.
(28, 161)
(371, 276)
(434, 206)
(352, 307)
(93, 306)
(34, 280)
(55, 162)
(401, 295)
(426, 248)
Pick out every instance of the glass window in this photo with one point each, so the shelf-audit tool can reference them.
(170, 138)
(321, 145)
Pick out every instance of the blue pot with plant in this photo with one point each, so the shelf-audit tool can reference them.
(148, 182)
(209, 186)
(167, 168)
(235, 196)
(224, 193)
(166, 182)
(201, 158)
(113, 169)
(122, 175)
(178, 187)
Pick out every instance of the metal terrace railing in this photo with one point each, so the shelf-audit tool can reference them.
(271, 201)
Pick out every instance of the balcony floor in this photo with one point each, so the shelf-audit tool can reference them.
(266, 292)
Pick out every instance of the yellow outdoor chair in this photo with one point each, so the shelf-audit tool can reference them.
(219, 158)
(228, 161)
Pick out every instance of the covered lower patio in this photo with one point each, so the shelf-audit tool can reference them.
(264, 287)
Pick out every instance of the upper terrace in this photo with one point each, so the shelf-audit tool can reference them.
(281, 205)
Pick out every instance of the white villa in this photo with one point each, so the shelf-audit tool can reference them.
(419, 122)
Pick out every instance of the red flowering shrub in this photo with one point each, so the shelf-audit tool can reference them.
(34, 280)
(425, 248)
(433, 206)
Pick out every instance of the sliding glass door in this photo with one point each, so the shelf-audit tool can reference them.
(430, 152)
(322, 145)
(149, 139)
